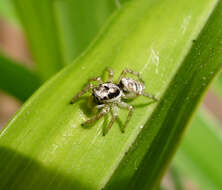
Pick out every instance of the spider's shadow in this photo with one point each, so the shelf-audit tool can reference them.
(85, 105)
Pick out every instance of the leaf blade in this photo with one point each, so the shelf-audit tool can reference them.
(8, 13)
(37, 18)
(16, 79)
(192, 89)
(198, 157)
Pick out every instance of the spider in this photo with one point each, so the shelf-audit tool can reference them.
(108, 96)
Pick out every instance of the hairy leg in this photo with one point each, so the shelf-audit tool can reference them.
(149, 96)
(96, 79)
(111, 74)
(131, 110)
(114, 116)
(103, 112)
(86, 88)
(82, 92)
(126, 71)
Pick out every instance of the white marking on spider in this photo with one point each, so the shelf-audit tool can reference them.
(108, 96)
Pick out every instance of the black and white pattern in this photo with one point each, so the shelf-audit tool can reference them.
(107, 92)
(109, 96)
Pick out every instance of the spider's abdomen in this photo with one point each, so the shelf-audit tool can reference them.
(129, 85)
(107, 92)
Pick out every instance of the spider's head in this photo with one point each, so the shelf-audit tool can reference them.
(106, 92)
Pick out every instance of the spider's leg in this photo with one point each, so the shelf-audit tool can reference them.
(96, 79)
(114, 116)
(86, 88)
(111, 73)
(126, 71)
(130, 96)
(103, 112)
(131, 110)
(82, 92)
(100, 106)
(149, 96)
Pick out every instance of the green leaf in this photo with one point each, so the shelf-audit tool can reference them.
(7, 12)
(44, 145)
(79, 22)
(37, 18)
(161, 188)
(199, 157)
(58, 31)
(17, 80)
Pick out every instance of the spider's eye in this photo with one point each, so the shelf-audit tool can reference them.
(113, 95)
(106, 87)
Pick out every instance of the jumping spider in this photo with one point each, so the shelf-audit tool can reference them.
(108, 95)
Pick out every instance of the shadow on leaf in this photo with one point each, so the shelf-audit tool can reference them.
(19, 172)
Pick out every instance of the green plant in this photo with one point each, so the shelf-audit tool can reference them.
(177, 49)
(201, 159)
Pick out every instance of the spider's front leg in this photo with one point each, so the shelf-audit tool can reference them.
(114, 117)
(125, 71)
(86, 89)
(110, 74)
(129, 116)
(96, 79)
(151, 96)
(102, 113)
(82, 92)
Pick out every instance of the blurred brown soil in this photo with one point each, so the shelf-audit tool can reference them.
(13, 44)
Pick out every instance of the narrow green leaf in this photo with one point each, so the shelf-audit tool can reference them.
(44, 145)
(169, 120)
(38, 20)
(79, 22)
(58, 31)
(161, 188)
(199, 157)
(17, 80)
(8, 13)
